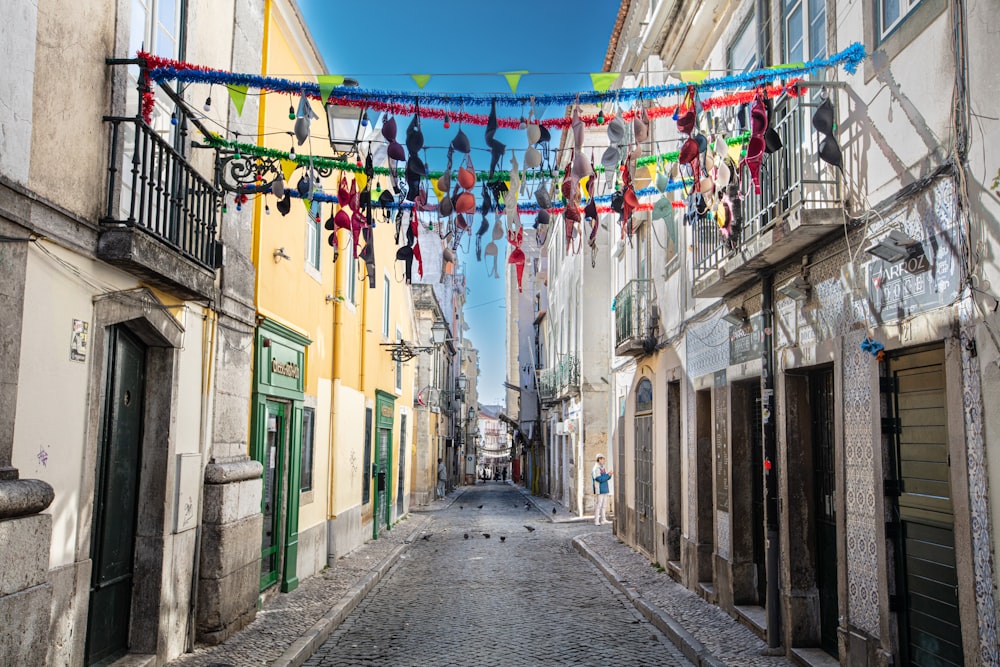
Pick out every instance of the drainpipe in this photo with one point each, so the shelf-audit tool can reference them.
(770, 472)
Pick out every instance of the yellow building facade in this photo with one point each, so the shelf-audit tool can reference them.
(331, 411)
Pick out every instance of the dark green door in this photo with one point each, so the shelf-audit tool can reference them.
(383, 496)
(271, 501)
(927, 581)
(821, 404)
(116, 500)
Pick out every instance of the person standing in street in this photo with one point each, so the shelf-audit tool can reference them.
(601, 476)
(442, 478)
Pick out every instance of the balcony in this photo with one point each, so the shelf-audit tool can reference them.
(635, 319)
(548, 384)
(800, 203)
(161, 214)
(561, 380)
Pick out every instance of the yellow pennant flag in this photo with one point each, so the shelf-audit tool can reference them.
(694, 75)
(362, 180)
(238, 94)
(603, 80)
(327, 82)
(287, 167)
(513, 78)
(421, 79)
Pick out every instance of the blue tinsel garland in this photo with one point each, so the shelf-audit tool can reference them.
(849, 59)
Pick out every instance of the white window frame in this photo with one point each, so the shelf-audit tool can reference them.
(351, 277)
(747, 30)
(906, 7)
(810, 11)
(308, 417)
(399, 364)
(386, 287)
(314, 238)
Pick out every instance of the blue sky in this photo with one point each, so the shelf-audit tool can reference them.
(380, 43)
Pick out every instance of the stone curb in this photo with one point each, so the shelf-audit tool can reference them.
(692, 649)
(310, 641)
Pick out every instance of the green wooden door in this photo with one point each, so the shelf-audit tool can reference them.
(116, 500)
(271, 500)
(927, 580)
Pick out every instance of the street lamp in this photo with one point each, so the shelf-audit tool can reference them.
(463, 382)
(439, 332)
(345, 124)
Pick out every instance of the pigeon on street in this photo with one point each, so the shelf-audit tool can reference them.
(531, 529)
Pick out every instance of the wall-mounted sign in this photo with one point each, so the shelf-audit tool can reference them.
(746, 345)
(917, 284)
(288, 369)
(78, 341)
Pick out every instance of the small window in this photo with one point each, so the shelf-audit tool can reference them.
(644, 396)
(742, 52)
(803, 30)
(313, 236)
(308, 430)
(366, 469)
(890, 13)
(352, 277)
(399, 364)
(385, 306)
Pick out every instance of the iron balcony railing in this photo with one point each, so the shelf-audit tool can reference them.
(569, 372)
(159, 192)
(634, 312)
(560, 379)
(790, 178)
(548, 383)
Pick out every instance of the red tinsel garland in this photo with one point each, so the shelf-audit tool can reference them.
(590, 120)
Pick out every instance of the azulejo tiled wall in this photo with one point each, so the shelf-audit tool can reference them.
(972, 402)
(861, 525)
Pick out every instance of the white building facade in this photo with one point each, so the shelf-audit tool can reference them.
(816, 464)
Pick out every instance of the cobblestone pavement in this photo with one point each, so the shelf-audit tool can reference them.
(706, 629)
(285, 617)
(530, 599)
(503, 596)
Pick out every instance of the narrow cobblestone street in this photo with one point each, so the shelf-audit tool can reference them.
(478, 587)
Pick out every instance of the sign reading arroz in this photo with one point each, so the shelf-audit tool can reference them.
(927, 279)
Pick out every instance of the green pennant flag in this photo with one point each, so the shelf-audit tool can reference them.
(327, 82)
(513, 78)
(603, 80)
(694, 75)
(238, 94)
(788, 66)
(421, 79)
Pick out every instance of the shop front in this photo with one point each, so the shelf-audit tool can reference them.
(276, 441)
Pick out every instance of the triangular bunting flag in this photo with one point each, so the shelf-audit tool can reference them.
(694, 75)
(513, 78)
(287, 167)
(421, 79)
(238, 94)
(327, 82)
(603, 80)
